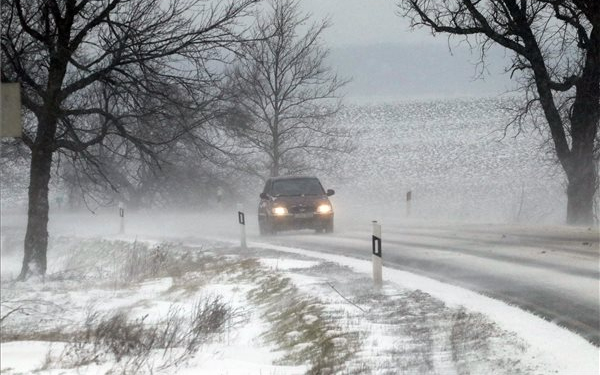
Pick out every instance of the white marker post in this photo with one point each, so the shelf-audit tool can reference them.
(242, 221)
(377, 262)
(122, 218)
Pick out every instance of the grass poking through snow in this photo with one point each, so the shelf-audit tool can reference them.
(302, 328)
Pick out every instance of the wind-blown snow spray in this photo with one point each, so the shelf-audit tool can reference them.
(376, 257)
(242, 221)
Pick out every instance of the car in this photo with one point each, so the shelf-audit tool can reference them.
(294, 202)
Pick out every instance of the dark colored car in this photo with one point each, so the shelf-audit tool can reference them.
(292, 202)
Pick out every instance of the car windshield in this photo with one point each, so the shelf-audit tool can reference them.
(297, 186)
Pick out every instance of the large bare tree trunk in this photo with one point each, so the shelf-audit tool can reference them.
(275, 149)
(581, 170)
(275, 166)
(275, 170)
(580, 193)
(36, 237)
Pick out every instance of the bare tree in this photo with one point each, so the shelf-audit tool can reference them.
(94, 70)
(284, 93)
(119, 170)
(556, 48)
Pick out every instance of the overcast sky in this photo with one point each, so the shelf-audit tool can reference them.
(371, 43)
(362, 21)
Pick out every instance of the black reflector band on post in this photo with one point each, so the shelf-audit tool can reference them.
(376, 258)
(242, 221)
(377, 246)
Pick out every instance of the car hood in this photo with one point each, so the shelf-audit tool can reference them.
(301, 200)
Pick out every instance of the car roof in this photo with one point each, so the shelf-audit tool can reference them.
(290, 178)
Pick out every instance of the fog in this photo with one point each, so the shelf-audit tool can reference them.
(412, 71)
(451, 154)
(387, 60)
(424, 117)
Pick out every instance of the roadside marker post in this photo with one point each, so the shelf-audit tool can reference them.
(376, 257)
(122, 218)
(242, 221)
(408, 201)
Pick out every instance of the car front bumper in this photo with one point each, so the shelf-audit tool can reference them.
(303, 221)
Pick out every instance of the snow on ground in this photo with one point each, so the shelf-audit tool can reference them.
(51, 326)
(568, 352)
(287, 264)
(286, 311)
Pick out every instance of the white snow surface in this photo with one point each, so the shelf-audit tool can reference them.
(570, 353)
(550, 348)
(240, 350)
(287, 264)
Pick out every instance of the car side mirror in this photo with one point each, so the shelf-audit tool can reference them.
(330, 192)
(264, 196)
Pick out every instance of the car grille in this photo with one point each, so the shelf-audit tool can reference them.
(300, 209)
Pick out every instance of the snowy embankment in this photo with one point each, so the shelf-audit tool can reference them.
(570, 353)
(131, 306)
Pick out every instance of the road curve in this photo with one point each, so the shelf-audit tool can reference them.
(552, 272)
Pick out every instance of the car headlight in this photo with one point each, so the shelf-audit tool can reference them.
(278, 211)
(324, 209)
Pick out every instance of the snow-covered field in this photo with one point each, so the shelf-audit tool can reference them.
(455, 158)
(452, 154)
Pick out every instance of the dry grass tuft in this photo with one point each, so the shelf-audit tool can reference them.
(140, 346)
(302, 328)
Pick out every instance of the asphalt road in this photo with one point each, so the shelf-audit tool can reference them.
(550, 271)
